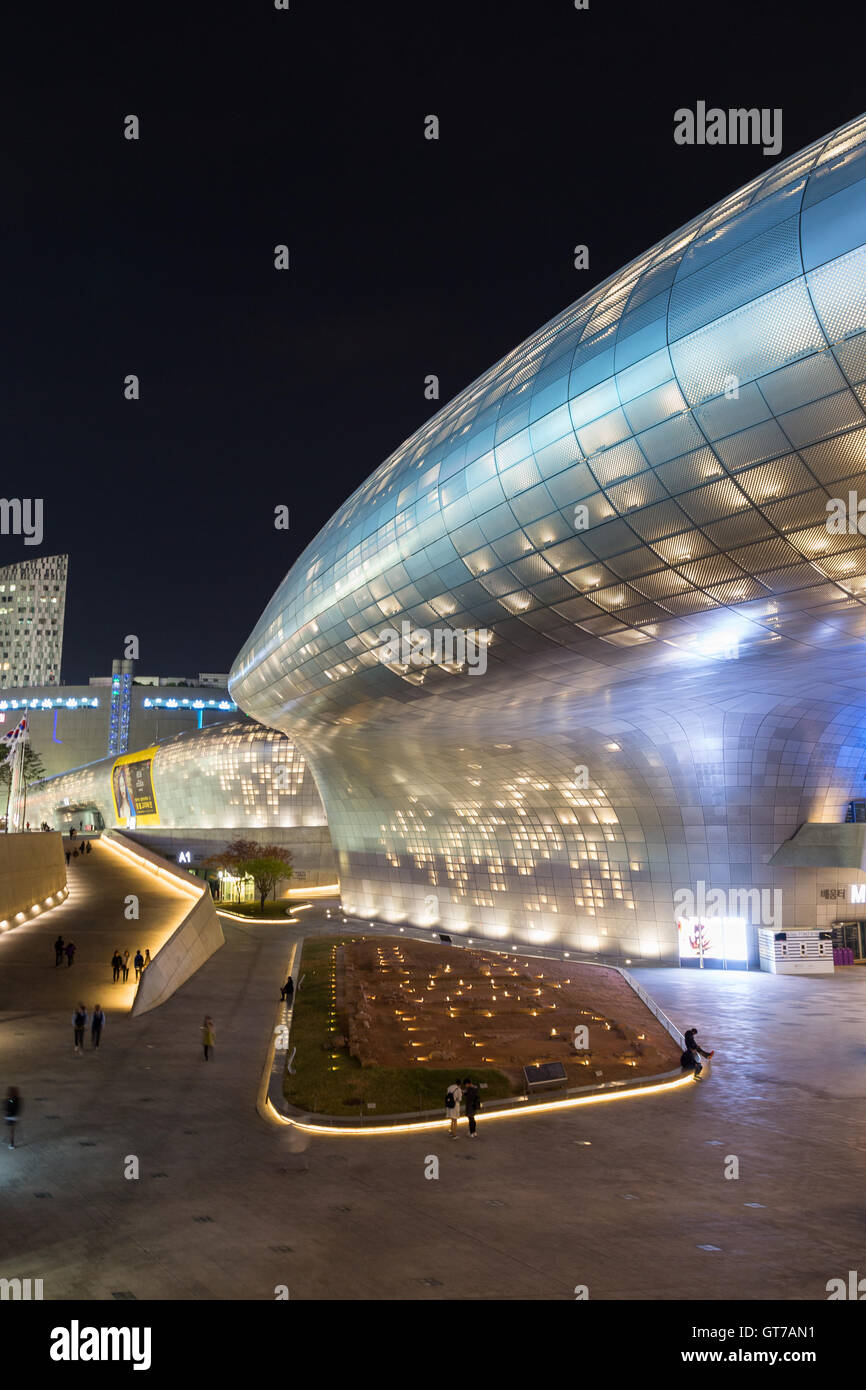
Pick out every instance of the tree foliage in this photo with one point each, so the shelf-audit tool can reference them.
(266, 865)
(33, 769)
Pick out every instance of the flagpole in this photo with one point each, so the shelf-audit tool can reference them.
(17, 775)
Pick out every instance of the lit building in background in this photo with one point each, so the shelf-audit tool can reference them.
(188, 796)
(71, 725)
(633, 508)
(32, 607)
(119, 706)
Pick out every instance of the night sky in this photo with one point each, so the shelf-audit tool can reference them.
(408, 256)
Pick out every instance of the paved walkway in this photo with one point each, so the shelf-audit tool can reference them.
(228, 1207)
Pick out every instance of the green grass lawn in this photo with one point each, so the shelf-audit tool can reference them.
(273, 908)
(333, 1083)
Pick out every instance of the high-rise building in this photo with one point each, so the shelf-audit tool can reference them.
(32, 605)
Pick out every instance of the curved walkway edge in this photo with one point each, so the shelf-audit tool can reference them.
(272, 1106)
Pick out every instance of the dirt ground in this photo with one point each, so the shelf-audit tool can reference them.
(411, 1003)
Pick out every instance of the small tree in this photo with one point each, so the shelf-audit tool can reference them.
(266, 865)
(267, 870)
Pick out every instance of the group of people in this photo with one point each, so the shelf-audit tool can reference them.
(79, 1023)
(462, 1093)
(63, 948)
(120, 964)
(75, 853)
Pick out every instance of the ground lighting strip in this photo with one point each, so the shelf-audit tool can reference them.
(423, 1125)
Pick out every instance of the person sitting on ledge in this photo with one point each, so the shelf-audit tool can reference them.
(690, 1059)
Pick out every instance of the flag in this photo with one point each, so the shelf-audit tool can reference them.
(9, 743)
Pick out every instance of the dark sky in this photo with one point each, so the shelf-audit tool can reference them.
(408, 256)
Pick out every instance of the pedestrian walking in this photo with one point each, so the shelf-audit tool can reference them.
(58, 951)
(146, 957)
(89, 847)
(288, 990)
(68, 857)
(138, 962)
(116, 964)
(97, 1023)
(70, 952)
(13, 1112)
(453, 1097)
(692, 1054)
(472, 1101)
(125, 966)
(208, 1036)
(79, 1023)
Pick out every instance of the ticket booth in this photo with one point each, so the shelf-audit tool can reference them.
(807, 952)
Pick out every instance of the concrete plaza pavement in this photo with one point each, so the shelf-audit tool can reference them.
(618, 1197)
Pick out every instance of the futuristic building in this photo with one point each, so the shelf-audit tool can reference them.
(192, 794)
(628, 523)
(32, 607)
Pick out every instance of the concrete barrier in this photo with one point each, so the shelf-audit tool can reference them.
(32, 872)
(191, 943)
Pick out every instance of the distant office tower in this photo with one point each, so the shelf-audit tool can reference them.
(32, 603)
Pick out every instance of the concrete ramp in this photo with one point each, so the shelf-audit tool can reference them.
(191, 943)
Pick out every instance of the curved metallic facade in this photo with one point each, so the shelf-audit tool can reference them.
(231, 776)
(633, 504)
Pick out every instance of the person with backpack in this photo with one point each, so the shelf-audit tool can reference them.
(79, 1023)
(97, 1023)
(138, 962)
(13, 1111)
(58, 951)
(692, 1054)
(453, 1097)
(472, 1101)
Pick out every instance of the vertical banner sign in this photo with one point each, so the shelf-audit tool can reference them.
(133, 790)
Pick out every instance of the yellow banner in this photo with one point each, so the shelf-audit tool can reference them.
(133, 790)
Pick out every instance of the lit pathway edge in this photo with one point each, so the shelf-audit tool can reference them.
(272, 1107)
(37, 910)
(521, 1109)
